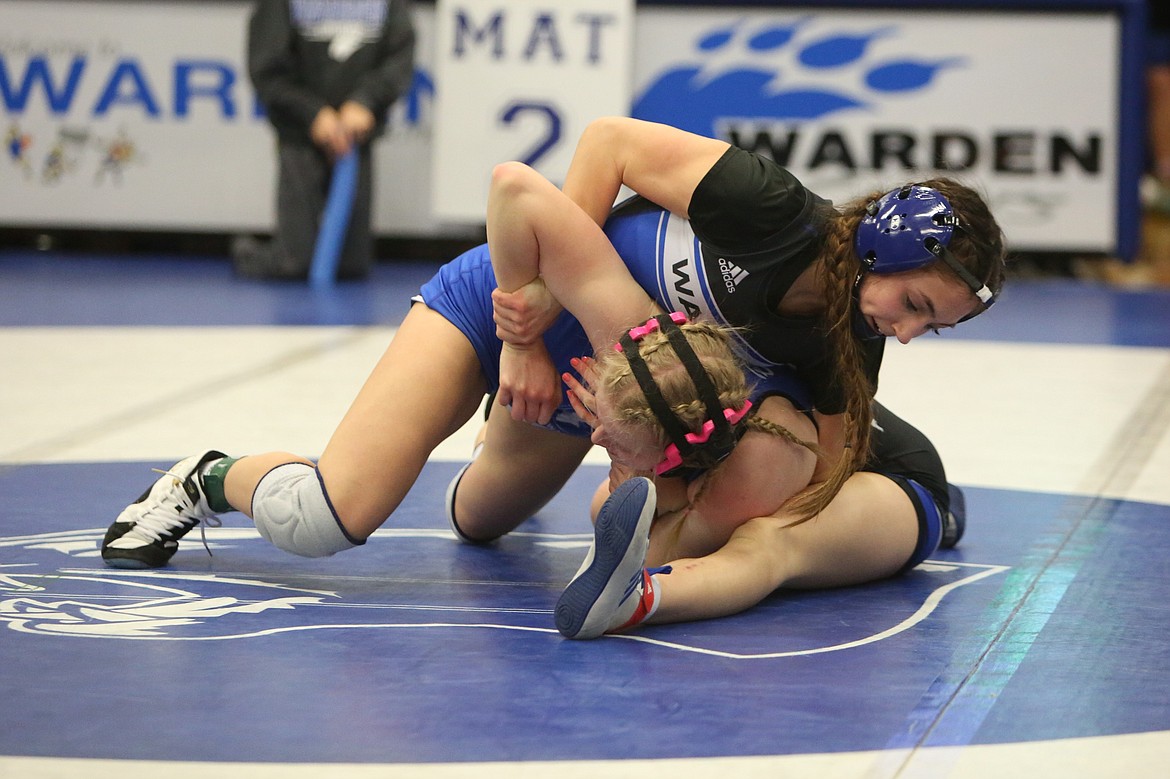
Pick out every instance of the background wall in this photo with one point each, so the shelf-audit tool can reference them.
(139, 115)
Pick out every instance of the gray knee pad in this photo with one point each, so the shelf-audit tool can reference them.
(293, 512)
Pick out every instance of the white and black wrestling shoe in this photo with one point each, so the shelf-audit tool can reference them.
(146, 534)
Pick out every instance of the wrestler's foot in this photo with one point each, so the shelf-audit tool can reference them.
(605, 593)
(146, 534)
(955, 520)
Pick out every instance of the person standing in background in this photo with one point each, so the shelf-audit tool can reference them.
(327, 74)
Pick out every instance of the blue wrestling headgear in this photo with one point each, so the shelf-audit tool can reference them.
(910, 228)
(721, 431)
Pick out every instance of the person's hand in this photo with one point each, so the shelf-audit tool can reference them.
(584, 402)
(580, 393)
(357, 121)
(329, 133)
(523, 315)
(529, 383)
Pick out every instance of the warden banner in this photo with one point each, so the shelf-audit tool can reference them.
(519, 80)
(852, 102)
(140, 114)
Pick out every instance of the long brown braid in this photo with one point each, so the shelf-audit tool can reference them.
(978, 244)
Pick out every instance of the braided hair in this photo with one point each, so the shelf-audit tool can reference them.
(711, 345)
(978, 244)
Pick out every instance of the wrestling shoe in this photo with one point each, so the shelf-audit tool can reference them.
(955, 520)
(604, 594)
(146, 534)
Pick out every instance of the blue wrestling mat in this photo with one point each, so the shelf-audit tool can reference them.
(1048, 622)
(416, 648)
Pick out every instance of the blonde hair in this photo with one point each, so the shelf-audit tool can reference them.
(711, 343)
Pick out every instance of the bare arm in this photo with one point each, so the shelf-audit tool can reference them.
(831, 436)
(659, 162)
(535, 230)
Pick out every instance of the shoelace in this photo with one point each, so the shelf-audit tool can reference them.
(159, 519)
(212, 521)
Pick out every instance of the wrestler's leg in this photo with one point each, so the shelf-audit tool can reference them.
(519, 468)
(870, 530)
(867, 532)
(425, 386)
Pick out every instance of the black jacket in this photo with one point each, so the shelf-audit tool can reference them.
(295, 74)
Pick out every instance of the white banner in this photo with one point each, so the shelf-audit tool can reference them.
(140, 115)
(519, 80)
(129, 114)
(853, 101)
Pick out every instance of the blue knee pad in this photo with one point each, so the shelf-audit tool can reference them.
(930, 524)
(292, 511)
(930, 520)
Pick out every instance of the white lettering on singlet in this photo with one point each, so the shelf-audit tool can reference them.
(683, 285)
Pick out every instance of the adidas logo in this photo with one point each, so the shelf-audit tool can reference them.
(732, 274)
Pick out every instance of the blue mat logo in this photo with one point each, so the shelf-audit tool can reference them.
(789, 71)
(171, 604)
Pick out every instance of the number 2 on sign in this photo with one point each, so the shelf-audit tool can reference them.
(552, 132)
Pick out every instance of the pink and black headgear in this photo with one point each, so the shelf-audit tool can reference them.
(720, 432)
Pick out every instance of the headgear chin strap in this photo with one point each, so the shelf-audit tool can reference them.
(718, 435)
(910, 228)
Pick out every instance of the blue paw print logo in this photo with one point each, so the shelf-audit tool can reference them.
(782, 71)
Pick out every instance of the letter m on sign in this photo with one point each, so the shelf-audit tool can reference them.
(465, 30)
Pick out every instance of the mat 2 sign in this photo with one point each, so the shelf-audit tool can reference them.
(519, 81)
